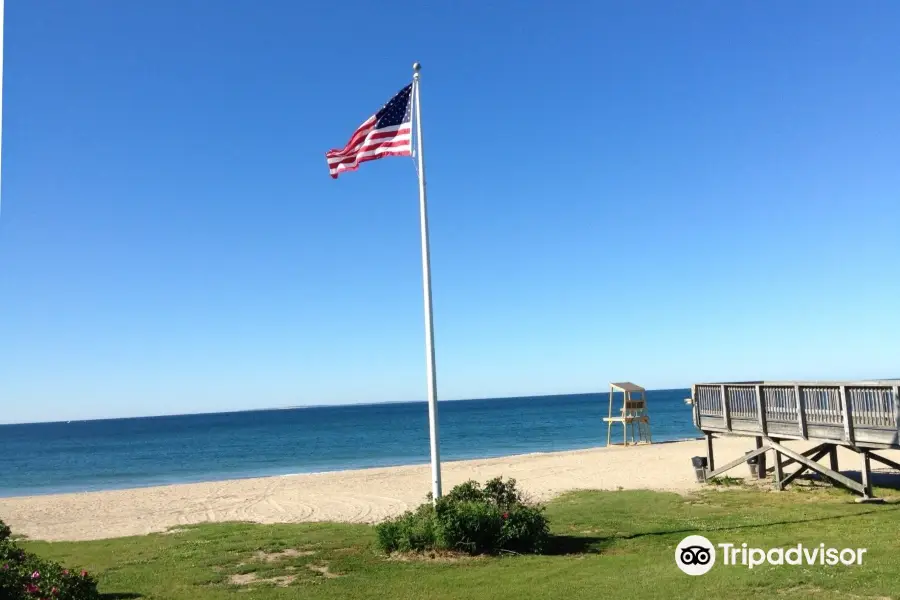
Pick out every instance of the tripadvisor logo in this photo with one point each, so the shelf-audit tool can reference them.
(696, 555)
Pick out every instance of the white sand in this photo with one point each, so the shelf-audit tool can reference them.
(367, 495)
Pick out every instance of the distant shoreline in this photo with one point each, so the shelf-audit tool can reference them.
(261, 475)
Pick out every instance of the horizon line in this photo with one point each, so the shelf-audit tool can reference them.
(314, 406)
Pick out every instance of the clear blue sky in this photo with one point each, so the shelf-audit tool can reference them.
(655, 191)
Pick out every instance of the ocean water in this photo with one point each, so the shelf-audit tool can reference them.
(81, 456)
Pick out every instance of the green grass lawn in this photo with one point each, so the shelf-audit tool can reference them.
(606, 545)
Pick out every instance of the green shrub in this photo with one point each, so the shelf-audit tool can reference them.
(410, 531)
(25, 576)
(470, 519)
(473, 527)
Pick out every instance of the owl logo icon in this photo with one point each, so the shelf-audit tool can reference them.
(695, 555)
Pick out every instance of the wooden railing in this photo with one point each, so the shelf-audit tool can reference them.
(795, 407)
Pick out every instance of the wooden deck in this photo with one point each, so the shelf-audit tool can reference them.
(861, 415)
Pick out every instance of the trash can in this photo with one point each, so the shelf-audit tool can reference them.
(699, 463)
(753, 463)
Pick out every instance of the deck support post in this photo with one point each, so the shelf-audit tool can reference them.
(832, 455)
(761, 409)
(710, 463)
(779, 471)
(761, 416)
(866, 473)
(761, 471)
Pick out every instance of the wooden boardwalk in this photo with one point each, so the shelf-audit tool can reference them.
(863, 416)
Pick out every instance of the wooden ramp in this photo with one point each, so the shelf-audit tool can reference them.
(863, 416)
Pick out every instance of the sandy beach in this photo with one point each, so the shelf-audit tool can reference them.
(366, 495)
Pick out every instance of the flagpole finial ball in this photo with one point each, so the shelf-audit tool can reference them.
(417, 66)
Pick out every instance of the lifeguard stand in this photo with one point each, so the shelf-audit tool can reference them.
(633, 413)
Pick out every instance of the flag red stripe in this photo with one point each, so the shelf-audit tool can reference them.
(334, 161)
(377, 134)
(372, 136)
(400, 144)
(344, 168)
(361, 132)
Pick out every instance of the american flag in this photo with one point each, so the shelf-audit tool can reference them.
(386, 133)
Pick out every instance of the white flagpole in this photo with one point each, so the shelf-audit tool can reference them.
(426, 282)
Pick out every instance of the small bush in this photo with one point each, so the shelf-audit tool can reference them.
(25, 576)
(470, 519)
(410, 531)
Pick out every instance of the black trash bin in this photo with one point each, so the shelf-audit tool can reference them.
(753, 463)
(699, 463)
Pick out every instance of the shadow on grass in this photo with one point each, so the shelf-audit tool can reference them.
(561, 545)
(574, 544)
(883, 479)
(887, 480)
(889, 508)
(125, 596)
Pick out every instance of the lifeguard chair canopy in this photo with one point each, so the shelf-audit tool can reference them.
(626, 386)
